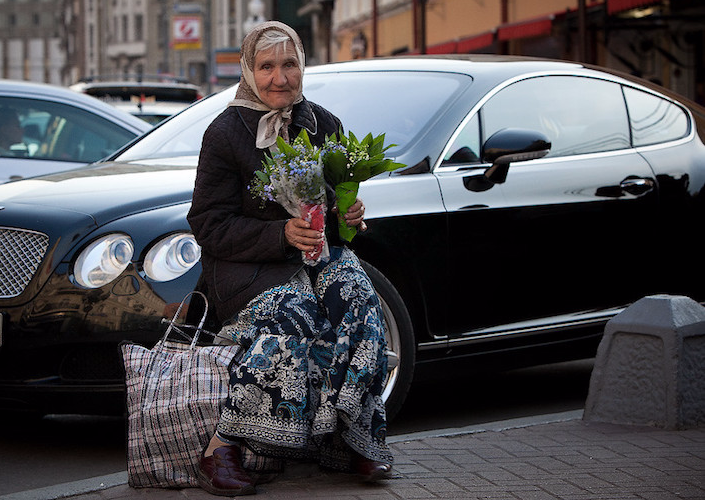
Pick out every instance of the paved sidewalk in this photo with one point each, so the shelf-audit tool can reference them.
(551, 457)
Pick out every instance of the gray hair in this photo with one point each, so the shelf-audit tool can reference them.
(272, 38)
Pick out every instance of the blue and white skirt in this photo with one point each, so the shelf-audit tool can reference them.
(309, 383)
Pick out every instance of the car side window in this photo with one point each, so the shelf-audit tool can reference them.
(579, 115)
(466, 146)
(56, 131)
(653, 119)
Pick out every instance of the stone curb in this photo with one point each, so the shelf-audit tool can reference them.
(99, 483)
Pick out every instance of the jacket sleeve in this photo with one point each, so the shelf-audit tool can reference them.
(216, 214)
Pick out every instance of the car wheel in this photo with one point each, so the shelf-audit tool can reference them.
(401, 347)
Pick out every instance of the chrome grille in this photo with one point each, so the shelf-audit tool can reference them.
(21, 252)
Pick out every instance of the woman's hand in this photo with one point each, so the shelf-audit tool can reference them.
(355, 215)
(299, 235)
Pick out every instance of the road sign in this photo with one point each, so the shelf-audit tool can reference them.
(186, 32)
(227, 63)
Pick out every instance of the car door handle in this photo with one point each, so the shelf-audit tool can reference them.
(637, 186)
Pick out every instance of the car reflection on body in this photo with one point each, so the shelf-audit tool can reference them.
(61, 130)
(538, 200)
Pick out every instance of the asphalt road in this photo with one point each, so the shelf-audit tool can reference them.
(36, 453)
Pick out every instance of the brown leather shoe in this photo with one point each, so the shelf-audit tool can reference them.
(222, 473)
(369, 470)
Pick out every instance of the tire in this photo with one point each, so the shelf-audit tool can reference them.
(401, 345)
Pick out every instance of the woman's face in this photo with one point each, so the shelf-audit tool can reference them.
(277, 76)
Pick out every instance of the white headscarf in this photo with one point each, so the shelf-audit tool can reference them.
(276, 121)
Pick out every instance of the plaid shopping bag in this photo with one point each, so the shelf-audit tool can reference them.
(175, 393)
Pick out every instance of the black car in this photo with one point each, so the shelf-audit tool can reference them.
(539, 198)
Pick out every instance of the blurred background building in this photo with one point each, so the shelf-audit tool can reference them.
(61, 41)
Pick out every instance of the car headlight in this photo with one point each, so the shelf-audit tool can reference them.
(103, 260)
(172, 257)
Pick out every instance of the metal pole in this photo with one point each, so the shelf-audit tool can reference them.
(209, 46)
(166, 25)
(238, 23)
(422, 26)
(582, 32)
(374, 28)
(503, 47)
(415, 24)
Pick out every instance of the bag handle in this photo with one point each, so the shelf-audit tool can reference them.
(172, 324)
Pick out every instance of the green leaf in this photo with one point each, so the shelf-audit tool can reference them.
(352, 138)
(335, 164)
(303, 135)
(262, 176)
(362, 171)
(346, 232)
(346, 195)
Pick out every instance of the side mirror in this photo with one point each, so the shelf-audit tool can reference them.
(510, 145)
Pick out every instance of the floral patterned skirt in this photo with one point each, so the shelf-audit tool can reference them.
(309, 382)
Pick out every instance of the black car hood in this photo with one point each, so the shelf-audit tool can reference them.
(104, 192)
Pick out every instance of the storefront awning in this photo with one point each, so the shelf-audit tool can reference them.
(615, 6)
(525, 29)
(471, 43)
(443, 48)
(464, 45)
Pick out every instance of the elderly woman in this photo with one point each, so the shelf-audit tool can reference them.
(309, 381)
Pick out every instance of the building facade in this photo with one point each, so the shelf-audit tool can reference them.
(660, 40)
(60, 41)
(32, 43)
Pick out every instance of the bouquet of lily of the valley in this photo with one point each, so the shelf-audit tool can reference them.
(347, 162)
(293, 177)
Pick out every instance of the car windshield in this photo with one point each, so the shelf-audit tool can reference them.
(397, 103)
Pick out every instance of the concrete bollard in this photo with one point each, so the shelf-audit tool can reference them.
(650, 366)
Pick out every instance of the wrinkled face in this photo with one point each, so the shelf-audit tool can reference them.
(277, 76)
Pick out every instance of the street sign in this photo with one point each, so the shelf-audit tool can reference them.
(186, 32)
(227, 63)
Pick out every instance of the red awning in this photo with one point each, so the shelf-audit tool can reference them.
(526, 29)
(471, 43)
(462, 46)
(614, 6)
(442, 48)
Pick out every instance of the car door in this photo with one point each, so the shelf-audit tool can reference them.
(564, 233)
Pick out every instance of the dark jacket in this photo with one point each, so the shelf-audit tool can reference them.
(244, 248)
